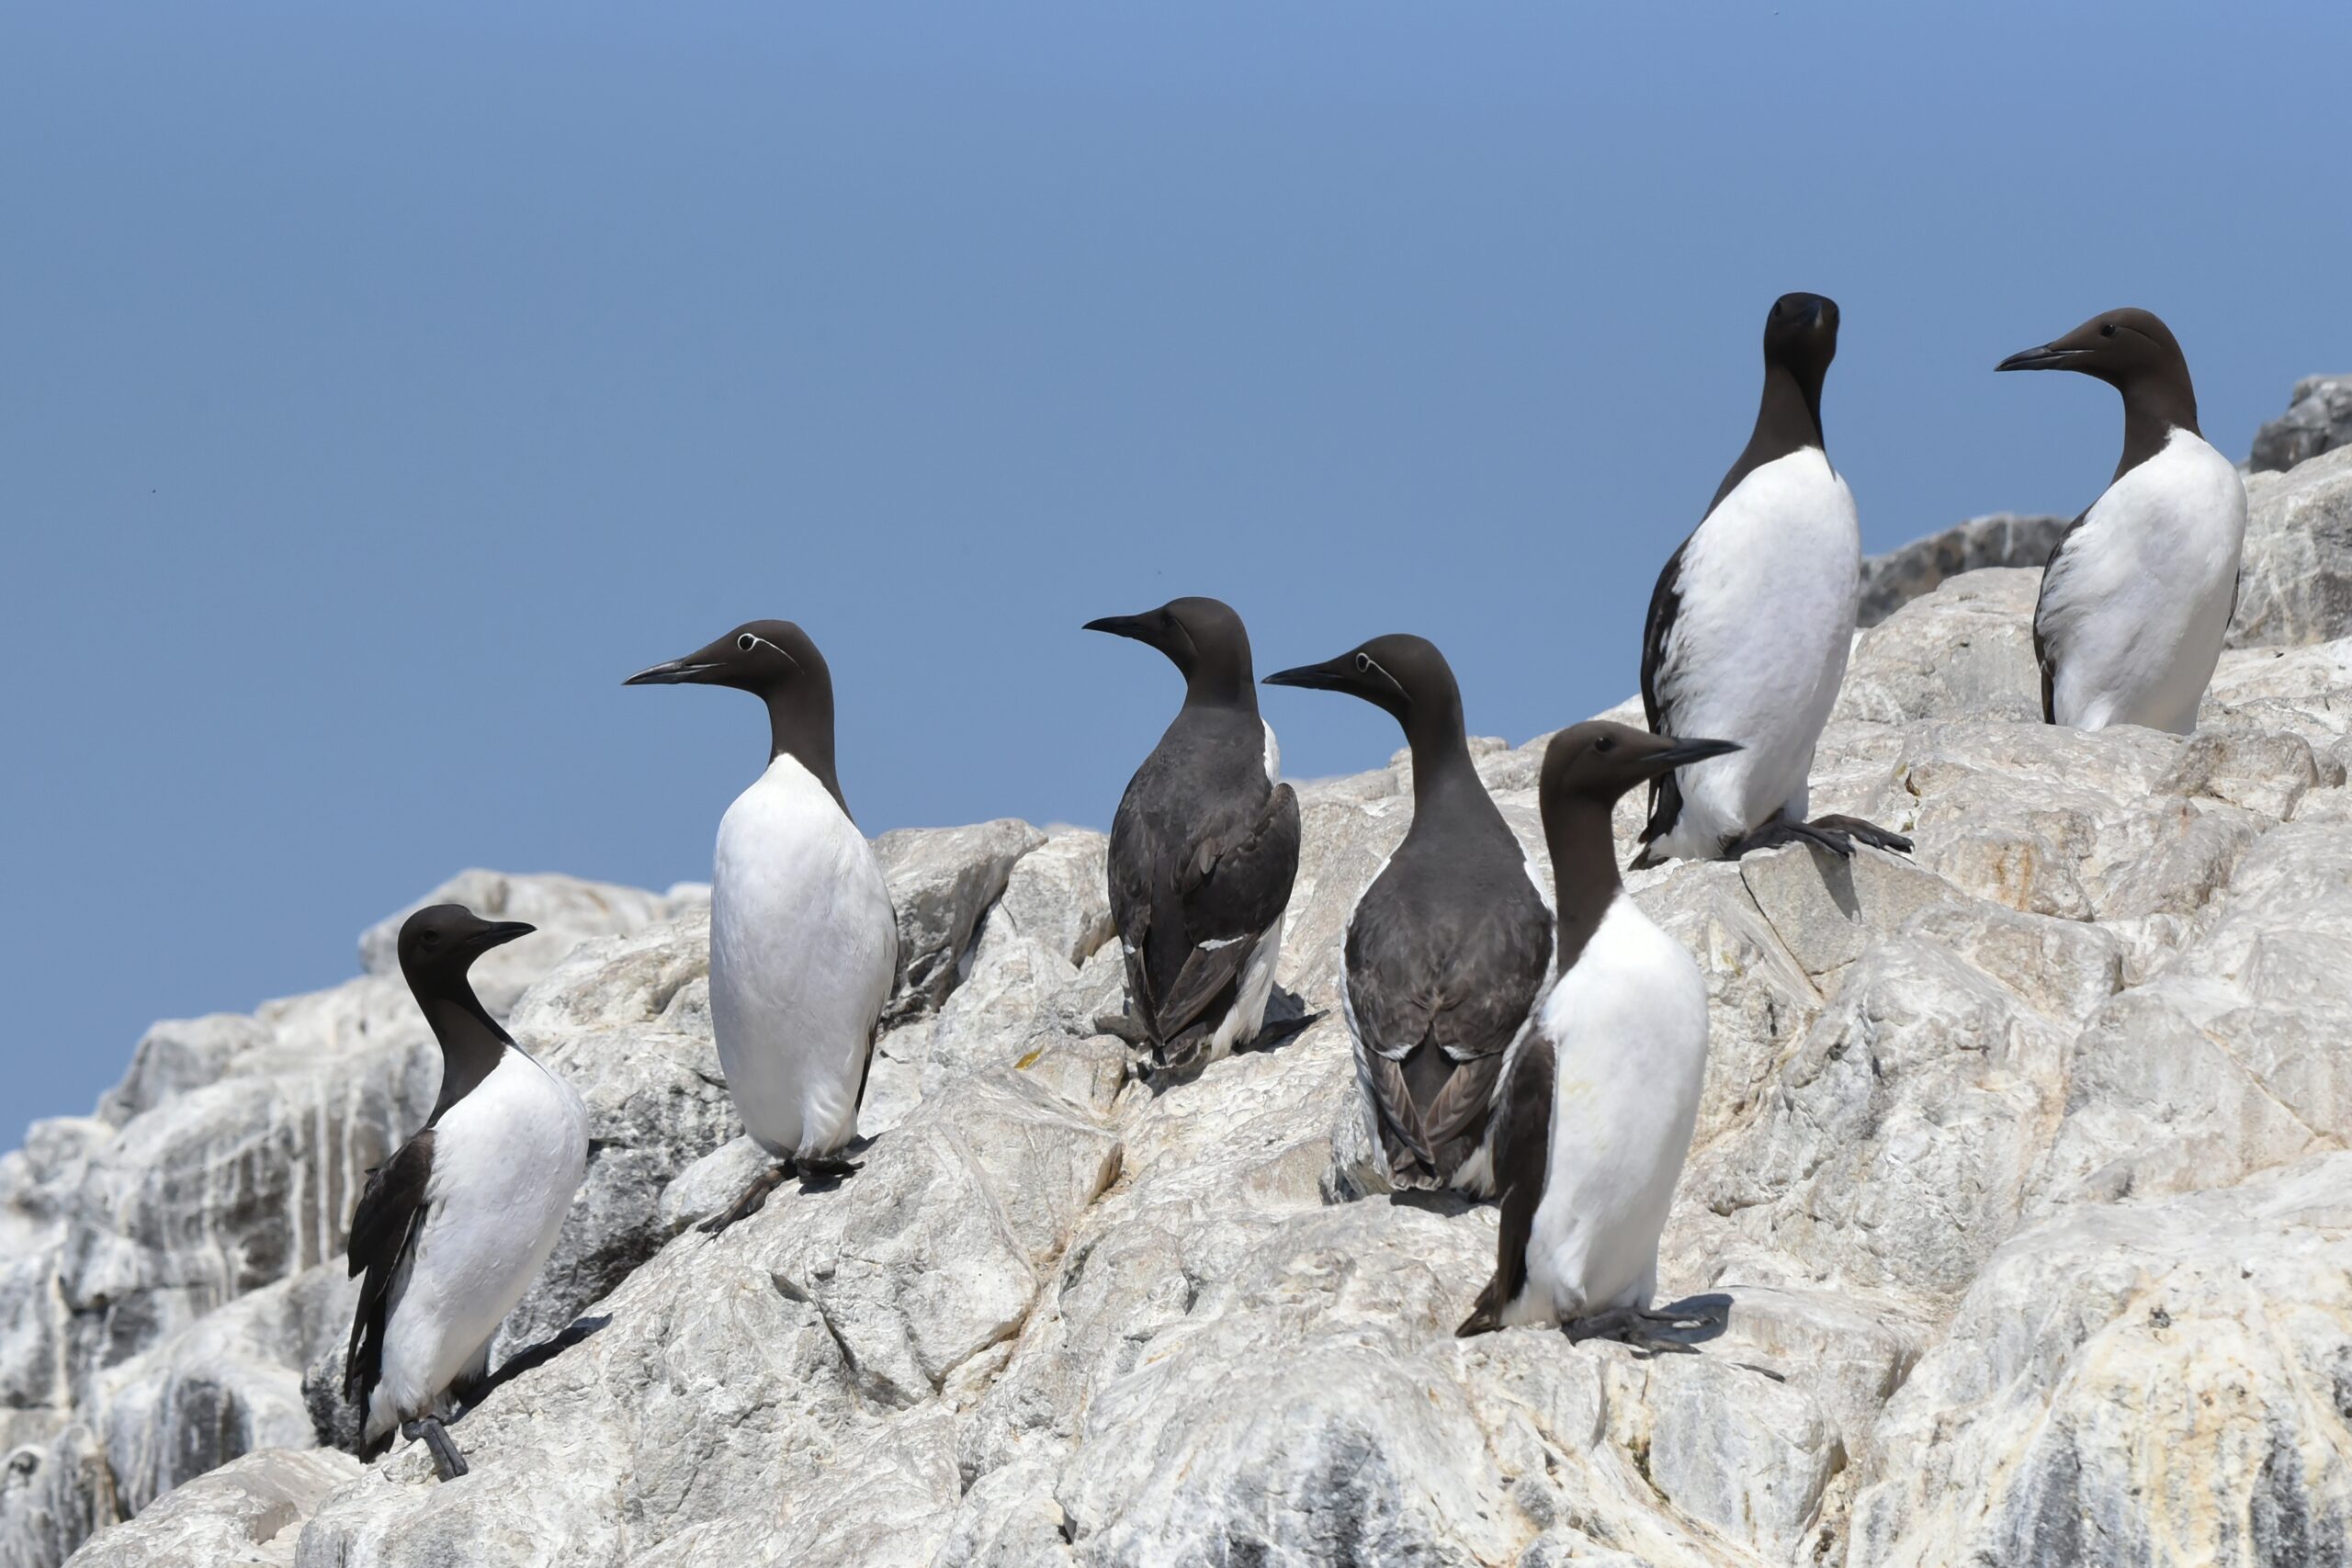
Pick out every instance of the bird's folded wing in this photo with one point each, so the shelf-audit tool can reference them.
(1233, 887)
(1658, 637)
(1463, 992)
(1522, 1157)
(1455, 1121)
(1394, 982)
(2049, 635)
(383, 1230)
(1489, 997)
(1657, 687)
(1141, 912)
(1399, 1118)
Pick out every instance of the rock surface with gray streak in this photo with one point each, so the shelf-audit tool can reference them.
(2297, 581)
(2318, 419)
(249, 1511)
(2002, 539)
(2016, 1228)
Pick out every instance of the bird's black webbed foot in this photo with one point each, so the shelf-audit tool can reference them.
(447, 1463)
(1782, 831)
(827, 1168)
(754, 1196)
(1863, 832)
(1649, 1333)
(1271, 1035)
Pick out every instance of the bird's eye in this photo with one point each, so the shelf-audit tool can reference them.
(2106, 328)
(1363, 663)
(1606, 743)
(745, 643)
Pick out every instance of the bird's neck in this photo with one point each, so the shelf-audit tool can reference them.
(471, 1043)
(1585, 879)
(1442, 769)
(2152, 410)
(801, 727)
(1221, 691)
(1789, 416)
(1434, 730)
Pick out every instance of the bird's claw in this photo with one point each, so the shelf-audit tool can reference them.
(447, 1463)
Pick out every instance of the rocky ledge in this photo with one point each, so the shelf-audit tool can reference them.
(2318, 419)
(2019, 1216)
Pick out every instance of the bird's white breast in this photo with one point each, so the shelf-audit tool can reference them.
(803, 949)
(1628, 1028)
(2136, 609)
(508, 1157)
(506, 1160)
(1769, 588)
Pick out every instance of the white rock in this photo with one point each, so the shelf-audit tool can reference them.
(627, 1021)
(1964, 651)
(54, 1497)
(2017, 1217)
(763, 1371)
(942, 881)
(2296, 584)
(2318, 419)
(2135, 1382)
(1058, 896)
(2001, 539)
(248, 1511)
(566, 911)
(228, 1384)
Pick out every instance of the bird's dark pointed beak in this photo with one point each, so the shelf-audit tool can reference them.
(498, 933)
(1682, 753)
(1331, 675)
(1120, 626)
(677, 672)
(2048, 356)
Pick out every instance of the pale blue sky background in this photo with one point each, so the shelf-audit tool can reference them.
(376, 390)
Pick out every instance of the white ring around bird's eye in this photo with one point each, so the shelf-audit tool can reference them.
(745, 643)
(1363, 662)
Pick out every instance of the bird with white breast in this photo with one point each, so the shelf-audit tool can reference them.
(1751, 621)
(2137, 596)
(1594, 1114)
(452, 1229)
(804, 944)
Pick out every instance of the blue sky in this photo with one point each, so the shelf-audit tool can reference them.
(378, 389)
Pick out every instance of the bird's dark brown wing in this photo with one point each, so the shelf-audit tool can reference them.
(1436, 997)
(1657, 708)
(1190, 901)
(383, 1230)
(1131, 859)
(1522, 1161)
(1231, 890)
